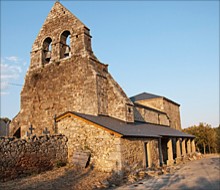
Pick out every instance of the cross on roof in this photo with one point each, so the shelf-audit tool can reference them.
(45, 131)
(31, 129)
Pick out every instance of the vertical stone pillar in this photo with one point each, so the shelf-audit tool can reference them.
(178, 151)
(55, 56)
(188, 146)
(149, 154)
(183, 147)
(160, 152)
(170, 160)
(193, 146)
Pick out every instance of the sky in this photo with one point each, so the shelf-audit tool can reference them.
(168, 48)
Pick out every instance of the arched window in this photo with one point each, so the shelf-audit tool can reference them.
(65, 44)
(47, 50)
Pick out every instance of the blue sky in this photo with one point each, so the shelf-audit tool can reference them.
(169, 48)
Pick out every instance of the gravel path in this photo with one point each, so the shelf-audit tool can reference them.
(201, 174)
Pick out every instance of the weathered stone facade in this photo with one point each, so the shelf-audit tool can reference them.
(21, 157)
(66, 77)
(109, 152)
(139, 153)
(78, 81)
(147, 114)
(170, 108)
(84, 136)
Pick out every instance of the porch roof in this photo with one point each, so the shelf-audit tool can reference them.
(135, 129)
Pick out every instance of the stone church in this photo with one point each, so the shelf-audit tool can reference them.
(68, 90)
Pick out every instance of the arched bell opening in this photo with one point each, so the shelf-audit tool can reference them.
(65, 44)
(47, 48)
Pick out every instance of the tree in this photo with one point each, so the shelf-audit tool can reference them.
(206, 137)
(217, 130)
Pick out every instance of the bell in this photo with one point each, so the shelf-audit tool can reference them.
(48, 55)
(67, 51)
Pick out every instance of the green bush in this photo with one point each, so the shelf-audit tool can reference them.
(60, 163)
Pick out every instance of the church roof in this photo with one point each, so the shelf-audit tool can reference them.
(124, 129)
(146, 96)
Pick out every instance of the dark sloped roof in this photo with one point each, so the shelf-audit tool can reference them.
(146, 96)
(165, 131)
(136, 129)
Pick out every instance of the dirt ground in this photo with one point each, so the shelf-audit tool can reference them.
(67, 178)
(72, 178)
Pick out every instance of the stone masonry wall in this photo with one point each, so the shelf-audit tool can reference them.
(169, 107)
(155, 103)
(119, 105)
(173, 113)
(83, 136)
(22, 157)
(151, 116)
(78, 82)
(133, 153)
(55, 89)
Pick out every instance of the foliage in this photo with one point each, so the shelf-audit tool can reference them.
(60, 163)
(206, 138)
(218, 138)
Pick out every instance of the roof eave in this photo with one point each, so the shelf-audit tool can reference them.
(178, 136)
(141, 136)
(70, 114)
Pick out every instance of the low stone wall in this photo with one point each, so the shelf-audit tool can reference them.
(22, 157)
(137, 155)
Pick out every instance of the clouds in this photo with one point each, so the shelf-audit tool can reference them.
(11, 70)
(12, 59)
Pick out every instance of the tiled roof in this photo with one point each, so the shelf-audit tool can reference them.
(146, 96)
(136, 129)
